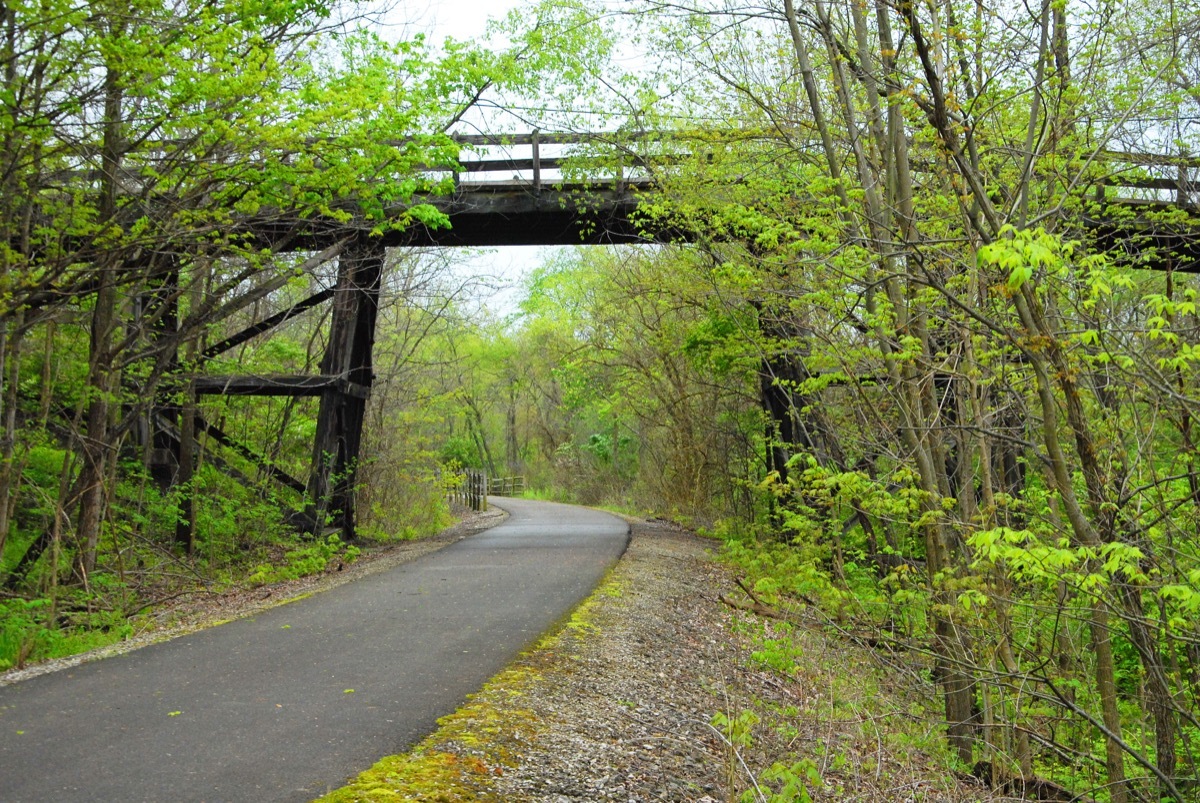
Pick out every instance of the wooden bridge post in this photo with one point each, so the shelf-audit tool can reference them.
(537, 161)
(331, 485)
(162, 453)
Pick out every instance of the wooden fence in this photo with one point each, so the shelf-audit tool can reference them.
(473, 488)
(506, 486)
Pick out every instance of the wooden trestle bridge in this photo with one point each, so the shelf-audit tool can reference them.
(511, 201)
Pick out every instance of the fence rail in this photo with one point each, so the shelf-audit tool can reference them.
(506, 486)
(472, 488)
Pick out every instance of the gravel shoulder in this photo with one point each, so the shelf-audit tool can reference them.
(618, 705)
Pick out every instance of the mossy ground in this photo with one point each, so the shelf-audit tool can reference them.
(655, 690)
(479, 741)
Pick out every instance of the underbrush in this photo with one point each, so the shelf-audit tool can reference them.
(305, 560)
(834, 720)
(547, 493)
(1033, 725)
(828, 723)
(38, 629)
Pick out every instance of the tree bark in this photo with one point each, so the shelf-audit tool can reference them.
(96, 447)
(10, 368)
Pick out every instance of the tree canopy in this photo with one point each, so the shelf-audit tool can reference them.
(923, 350)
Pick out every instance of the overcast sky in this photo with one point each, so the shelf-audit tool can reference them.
(460, 19)
(466, 20)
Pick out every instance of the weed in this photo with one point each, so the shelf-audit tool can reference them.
(304, 561)
(31, 631)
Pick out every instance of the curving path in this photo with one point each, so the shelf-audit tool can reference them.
(261, 709)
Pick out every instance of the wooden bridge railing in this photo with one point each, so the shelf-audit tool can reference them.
(1138, 178)
(533, 170)
(1155, 179)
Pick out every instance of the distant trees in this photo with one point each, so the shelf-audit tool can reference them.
(958, 376)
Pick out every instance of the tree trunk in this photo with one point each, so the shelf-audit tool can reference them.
(10, 368)
(1158, 690)
(95, 448)
(1084, 531)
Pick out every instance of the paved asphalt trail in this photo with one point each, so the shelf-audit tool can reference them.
(263, 708)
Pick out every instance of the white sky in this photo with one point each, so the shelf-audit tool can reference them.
(461, 19)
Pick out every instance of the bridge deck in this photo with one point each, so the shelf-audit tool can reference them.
(514, 213)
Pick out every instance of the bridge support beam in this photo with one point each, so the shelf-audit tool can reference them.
(160, 303)
(331, 485)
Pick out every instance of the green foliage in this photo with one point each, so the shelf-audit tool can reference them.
(784, 782)
(738, 731)
(459, 452)
(780, 654)
(19, 631)
(601, 446)
(31, 631)
(305, 560)
(43, 467)
(793, 781)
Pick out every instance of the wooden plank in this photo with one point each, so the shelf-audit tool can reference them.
(1108, 156)
(278, 385)
(272, 385)
(537, 162)
(507, 165)
(259, 460)
(265, 325)
(549, 138)
(331, 485)
(514, 195)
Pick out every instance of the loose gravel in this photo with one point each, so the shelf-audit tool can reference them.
(618, 705)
